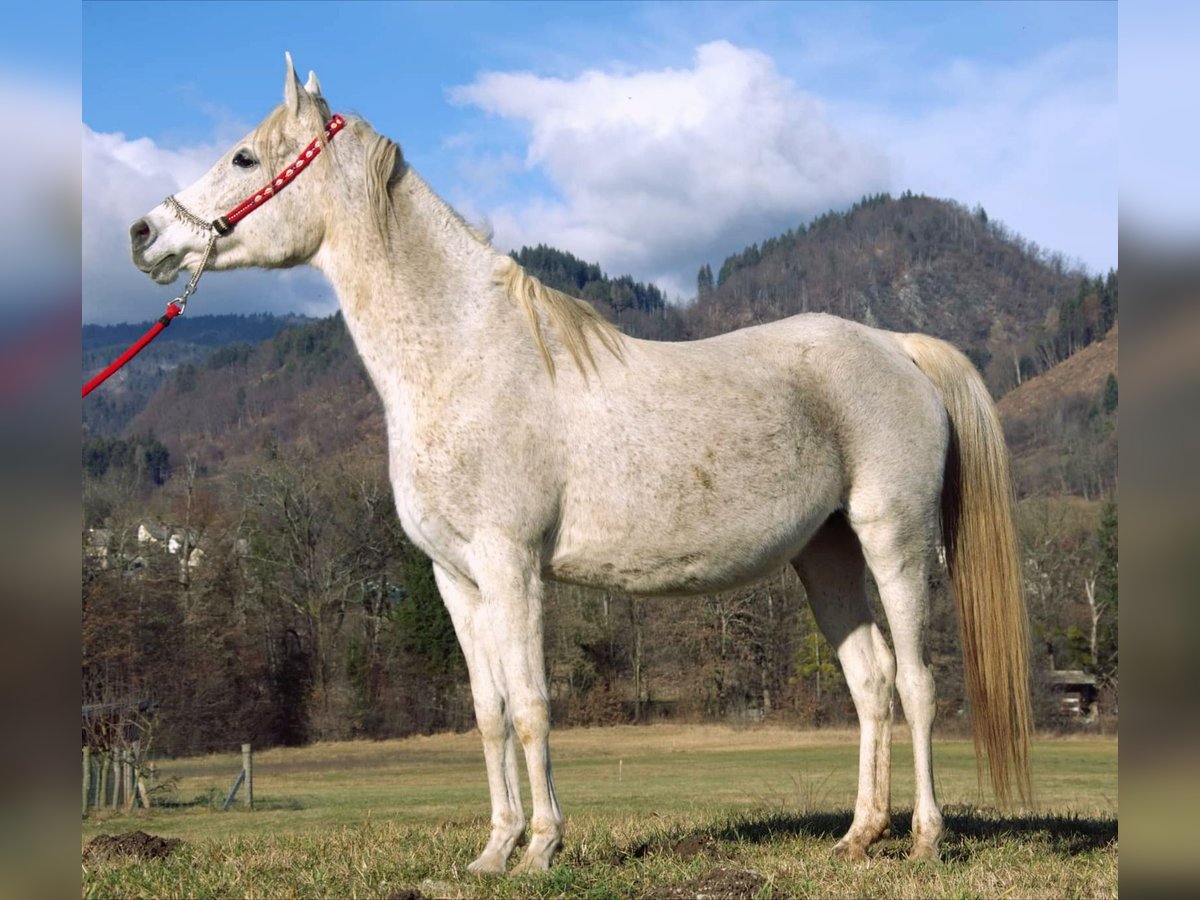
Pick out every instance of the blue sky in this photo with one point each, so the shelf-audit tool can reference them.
(647, 137)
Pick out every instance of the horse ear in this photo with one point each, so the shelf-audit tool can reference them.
(293, 91)
(312, 85)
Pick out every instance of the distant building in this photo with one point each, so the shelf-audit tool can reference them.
(99, 553)
(96, 545)
(1077, 692)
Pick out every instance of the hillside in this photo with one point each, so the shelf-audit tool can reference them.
(201, 330)
(304, 385)
(190, 340)
(638, 309)
(1083, 373)
(912, 263)
(1061, 426)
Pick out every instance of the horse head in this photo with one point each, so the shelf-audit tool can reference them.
(285, 232)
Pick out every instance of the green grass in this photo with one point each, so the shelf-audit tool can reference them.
(649, 811)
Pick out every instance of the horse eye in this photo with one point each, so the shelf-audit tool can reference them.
(244, 160)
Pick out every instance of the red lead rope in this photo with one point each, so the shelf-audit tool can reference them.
(173, 309)
(221, 227)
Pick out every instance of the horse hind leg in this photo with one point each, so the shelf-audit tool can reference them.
(832, 569)
(897, 538)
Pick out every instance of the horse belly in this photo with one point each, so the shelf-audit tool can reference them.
(697, 468)
(693, 541)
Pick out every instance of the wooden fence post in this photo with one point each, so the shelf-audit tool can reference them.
(87, 776)
(248, 768)
(127, 756)
(102, 787)
(115, 777)
(135, 772)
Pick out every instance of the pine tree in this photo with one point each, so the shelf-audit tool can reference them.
(1106, 591)
(1110, 394)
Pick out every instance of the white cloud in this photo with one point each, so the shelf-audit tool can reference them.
(655, 171)
(122, 180)
(1035, 144)
(659, 171)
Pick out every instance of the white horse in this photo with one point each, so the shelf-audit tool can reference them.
(529, 440)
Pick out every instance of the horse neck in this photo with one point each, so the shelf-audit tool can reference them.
(421, 302)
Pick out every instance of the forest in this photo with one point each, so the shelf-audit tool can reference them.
(243, 568)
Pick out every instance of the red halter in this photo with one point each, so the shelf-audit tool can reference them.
(220, 227)
(224, 224)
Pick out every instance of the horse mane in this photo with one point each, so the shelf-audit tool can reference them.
(575, 321)
(384, 164)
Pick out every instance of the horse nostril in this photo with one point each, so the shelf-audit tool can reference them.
(141, 234)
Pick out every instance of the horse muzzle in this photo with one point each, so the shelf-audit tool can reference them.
(163, 269)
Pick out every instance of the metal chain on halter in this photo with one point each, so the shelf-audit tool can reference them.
(185, 215)
(182, 299)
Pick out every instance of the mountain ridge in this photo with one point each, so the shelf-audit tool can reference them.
(906, 256)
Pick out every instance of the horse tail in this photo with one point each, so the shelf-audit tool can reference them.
(985, 566)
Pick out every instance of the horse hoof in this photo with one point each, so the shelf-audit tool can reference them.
(850, 852)
(539, 854)
(925, 853)
(531, 866)
(487, 864)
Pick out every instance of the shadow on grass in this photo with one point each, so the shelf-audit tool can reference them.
(277, 803)
(1064, 835)
(214, 801)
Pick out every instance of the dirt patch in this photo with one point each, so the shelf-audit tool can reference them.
(407, 894)
(719, 884)
(689, 847)
(692, 846)
(131, 845)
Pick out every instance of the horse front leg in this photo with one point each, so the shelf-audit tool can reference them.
(511, 587)
(532, 719)
(493, 720)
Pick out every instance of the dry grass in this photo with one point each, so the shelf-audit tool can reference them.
(689, 809)
(1081, 373)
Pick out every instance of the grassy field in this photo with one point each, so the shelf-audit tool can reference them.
(664, 811)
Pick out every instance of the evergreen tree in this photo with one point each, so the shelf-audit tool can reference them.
(1106, 591)
(1110, 394)
(424, 630)
(1108, 301)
